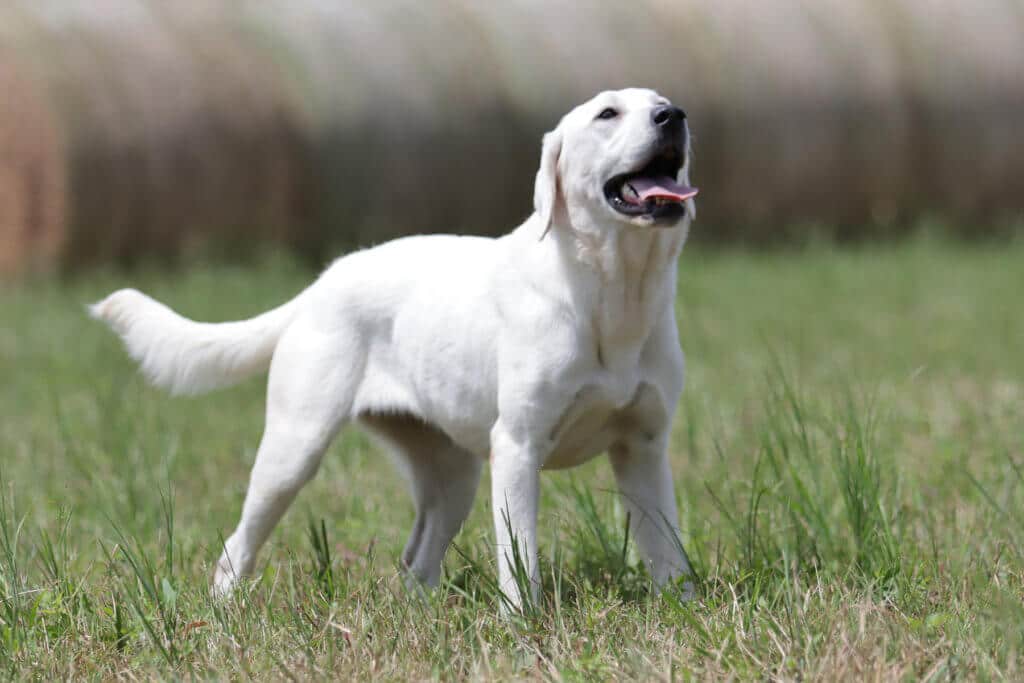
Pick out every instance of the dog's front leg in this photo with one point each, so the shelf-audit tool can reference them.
(515, 490)
(644, 477)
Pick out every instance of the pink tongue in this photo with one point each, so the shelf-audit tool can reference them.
(660, 186)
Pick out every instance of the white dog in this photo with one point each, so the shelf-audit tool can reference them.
(537, 350)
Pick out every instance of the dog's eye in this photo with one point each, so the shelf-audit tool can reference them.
(608, 113)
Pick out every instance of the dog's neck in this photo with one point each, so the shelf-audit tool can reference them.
(623, 277)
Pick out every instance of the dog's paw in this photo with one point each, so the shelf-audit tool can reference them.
(687, 591)
(224, 582)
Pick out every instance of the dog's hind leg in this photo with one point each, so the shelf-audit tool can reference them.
(444, 487)
(309, 395)
(443, 479)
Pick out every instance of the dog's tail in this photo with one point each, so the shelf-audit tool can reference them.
(188, 357)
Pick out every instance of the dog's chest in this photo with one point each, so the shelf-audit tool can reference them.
(595, 421)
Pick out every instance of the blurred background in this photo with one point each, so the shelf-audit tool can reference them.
(140, 131)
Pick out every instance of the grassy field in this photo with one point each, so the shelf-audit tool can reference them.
(849, 458)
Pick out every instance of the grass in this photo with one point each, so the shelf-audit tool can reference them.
(849, 458)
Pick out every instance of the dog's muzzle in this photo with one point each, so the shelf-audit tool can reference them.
(653, 190)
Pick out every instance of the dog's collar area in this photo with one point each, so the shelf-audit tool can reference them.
(651, 191)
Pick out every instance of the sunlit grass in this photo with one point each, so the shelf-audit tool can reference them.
(849, 459)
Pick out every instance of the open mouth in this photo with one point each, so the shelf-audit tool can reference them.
(652, 191)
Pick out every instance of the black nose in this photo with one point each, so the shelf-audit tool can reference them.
(668, 116)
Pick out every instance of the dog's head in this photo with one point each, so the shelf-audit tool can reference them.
(621, 158)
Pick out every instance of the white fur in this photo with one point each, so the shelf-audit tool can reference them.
(539, 349)
(186, 357)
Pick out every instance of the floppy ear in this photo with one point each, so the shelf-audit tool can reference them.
(545, 189)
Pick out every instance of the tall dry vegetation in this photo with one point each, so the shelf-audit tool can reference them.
(133, 129)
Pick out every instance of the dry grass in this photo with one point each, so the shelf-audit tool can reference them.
(32, 182)
(189, 125)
